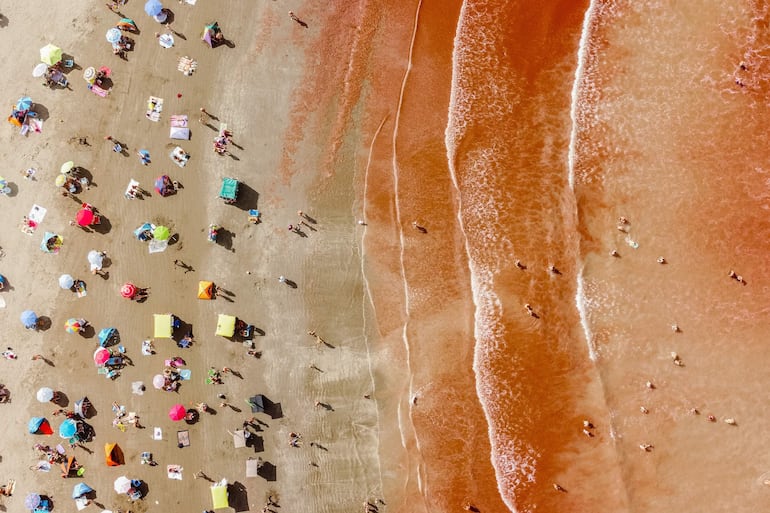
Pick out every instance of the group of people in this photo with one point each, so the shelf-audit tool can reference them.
(221, 141)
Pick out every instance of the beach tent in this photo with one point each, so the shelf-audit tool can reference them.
(39, 426)
(52, 243)
(108, 336)
(209, 33)
(113, 455)
(144, 232)
(257, 403)
(83, 405)
(225, 325)
(80, 490)
(219, 495)
(205, 290)
(163, 324)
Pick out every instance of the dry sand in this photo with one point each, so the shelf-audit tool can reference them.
(251, 87)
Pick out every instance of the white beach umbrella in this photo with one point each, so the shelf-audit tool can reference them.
(95, 259)
(122, 484)
(39, 70)
(66, 281)
(45, 394)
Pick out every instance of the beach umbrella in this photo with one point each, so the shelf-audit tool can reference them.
(122, 484)
(45, 394)
(73, 325)
(101, 355)
(161, 233)
(60, 180)
(67, 167)
(28, 319)
(177, 412)
(66, 281)
(113, 35)
(24, 103)
(39, 70)
(153, 7)
(95, 259)
(84, 217)
(128, 290)
(159, 381)
(32, 501)
(89, 75)
(50, 54)
(68, 428)
(80, 490)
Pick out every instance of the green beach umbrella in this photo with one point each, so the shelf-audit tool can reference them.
(50, 54)
(161, 233)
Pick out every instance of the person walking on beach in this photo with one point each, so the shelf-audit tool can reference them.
(296, 19)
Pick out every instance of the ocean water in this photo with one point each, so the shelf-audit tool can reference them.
(564, 117)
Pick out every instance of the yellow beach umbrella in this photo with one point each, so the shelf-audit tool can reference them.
(61, 180)
(67, 167)
(50, 54)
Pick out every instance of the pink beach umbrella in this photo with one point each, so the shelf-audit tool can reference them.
(84, 217)
(177, 413)
(158, 381)
(128, 290)
(101, 355)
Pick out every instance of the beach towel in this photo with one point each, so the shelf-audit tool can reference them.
(34, 124)
(176, 132)
(82, 503)
(183, 438)
(80, 288)
(185, 374)
(252, 467)
(166, 40)
(191, 2)
(154, 108)
(187, 65)
(179, 120)
(239, 439)
(98, 90)
(131, 189)
(36, 216)
(179, 156)
(157, 434)
(174, 471)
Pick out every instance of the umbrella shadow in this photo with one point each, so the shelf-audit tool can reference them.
(267, 471)
(87, 332)
(43, 323)
(248, 198)
(225, 239)
(42, 111)
(238, 496)
(257, 442)
(103, 227)
(4, 21)
(169, 16)
(14, 189)
(61, 399)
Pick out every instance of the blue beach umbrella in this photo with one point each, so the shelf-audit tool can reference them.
(24, 103)
(68, 429)
(113, 35)
(80, 490)
(28, 319)
(153, 7)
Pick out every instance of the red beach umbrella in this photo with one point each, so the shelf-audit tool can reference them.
(84, 217)
(128, 290)
(177, 413)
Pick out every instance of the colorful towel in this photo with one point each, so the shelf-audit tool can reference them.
(179, 120)
(154, 108)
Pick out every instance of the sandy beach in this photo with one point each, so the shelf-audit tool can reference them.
(251, 85)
